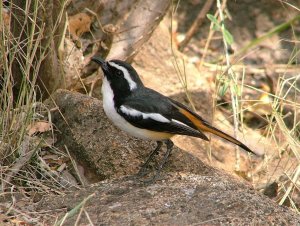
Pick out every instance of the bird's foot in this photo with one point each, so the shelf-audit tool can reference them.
(143, 171)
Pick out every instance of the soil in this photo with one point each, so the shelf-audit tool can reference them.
(246, 20)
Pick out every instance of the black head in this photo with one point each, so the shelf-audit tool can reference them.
(121, 75)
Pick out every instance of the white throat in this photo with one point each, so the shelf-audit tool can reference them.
(119, 121)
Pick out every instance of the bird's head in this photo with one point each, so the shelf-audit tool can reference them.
(121, 75)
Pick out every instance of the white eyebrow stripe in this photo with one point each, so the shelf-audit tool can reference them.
(154, 116)
(131, 83)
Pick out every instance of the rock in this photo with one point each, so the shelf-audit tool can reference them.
(186, 199)
(103, 150)
(188, 193)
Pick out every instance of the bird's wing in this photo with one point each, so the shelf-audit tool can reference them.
(156, 113)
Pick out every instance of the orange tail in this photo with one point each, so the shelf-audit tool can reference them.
(213, 130)
(203, 126)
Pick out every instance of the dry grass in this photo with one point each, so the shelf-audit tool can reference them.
(281, 130)
(30, 166)
(285, 139)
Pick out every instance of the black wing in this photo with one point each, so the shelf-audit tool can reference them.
(148, 109)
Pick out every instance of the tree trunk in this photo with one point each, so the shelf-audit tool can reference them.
(37, 28)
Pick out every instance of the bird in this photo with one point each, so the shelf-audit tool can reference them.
(147, 114)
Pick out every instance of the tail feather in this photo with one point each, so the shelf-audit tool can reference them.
(203, 126)
(215, 131)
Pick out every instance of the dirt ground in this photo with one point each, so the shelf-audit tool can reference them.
(246, 21)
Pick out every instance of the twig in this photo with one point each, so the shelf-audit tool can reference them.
(255, 69)
(270, 33)
(88, 217)
(73, 211)
(25, 156)
(181, 74)
(28, 219)
(197, 23)
(233, 82)
(294, 180)
(78, 217)
(209, 38)
(81, 177)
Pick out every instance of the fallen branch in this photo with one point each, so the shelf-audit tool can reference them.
(197, 23)
(137, 29)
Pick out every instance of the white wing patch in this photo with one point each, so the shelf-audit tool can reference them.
(178, 122)
(126, 74)
(154, 116)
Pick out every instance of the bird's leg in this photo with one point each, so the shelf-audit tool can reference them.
(170, 145)
(142, 170)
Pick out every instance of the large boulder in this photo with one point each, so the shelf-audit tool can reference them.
(189, 192)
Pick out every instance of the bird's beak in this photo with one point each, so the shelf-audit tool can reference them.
(101, 62)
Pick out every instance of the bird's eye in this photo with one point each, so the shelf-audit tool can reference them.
(119, 73)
